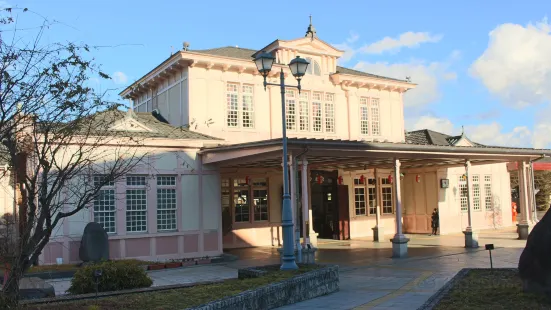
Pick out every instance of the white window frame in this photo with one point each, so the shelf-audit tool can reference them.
(463, 189)
(314, 67)
(329, 113)
(304, 111)
(375, 114)
(488, 195)
(369, 188)
(167, 203)
(242, 94)
(476, 193)
(106, 212)
(138, 210)
(370, 125)
(364, 116)
(291, 109)
(385, 185)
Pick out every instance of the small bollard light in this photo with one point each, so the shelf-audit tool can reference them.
(489, 248)
(97, 275)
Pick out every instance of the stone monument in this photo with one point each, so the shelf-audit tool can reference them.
(94, 245)
(535, 264)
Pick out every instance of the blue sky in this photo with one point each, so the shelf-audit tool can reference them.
(498, 87)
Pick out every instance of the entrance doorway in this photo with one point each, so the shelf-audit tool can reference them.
(329, 206)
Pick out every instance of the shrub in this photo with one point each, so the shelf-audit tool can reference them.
(116, 276)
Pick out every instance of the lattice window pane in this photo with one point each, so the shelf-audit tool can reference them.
(375, 124)
(488, 201)
(290, 109)
(136, 210)
(260, 198)
(476, 193)
(241, 202)
(303, 112)
(329, 117)
(372, 200)
(463, 194)
(329, 113)
(166, 209)
(135, 180)
(316, 116)
(104, 210)
(166, 181)
(248, 106)
(364, 120)
(99, 179)
(232, 105)
(387, 200)
(359, 198)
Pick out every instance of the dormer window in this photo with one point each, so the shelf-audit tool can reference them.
(314, 67)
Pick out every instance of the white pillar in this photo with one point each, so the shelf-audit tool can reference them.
(399, 242)
(305, 202)
(469, 196)
(471, 237)
(378, 230)
(525, 222)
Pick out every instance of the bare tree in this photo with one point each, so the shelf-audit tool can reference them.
(57, 137)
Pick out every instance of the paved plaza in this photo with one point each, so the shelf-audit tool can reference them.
(369, 278)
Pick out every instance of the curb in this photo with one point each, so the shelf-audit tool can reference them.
(435, 299)
(51, 275)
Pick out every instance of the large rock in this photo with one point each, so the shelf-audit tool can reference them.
(535, 261)
(94, 246)
(35, 288)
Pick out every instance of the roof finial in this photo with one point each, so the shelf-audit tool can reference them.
(462, 130)
(311, 32)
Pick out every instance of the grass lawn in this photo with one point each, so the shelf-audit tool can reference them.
(485, 289)
(177, 298)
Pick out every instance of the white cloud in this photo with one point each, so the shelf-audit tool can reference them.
(425, 75)
(489, 133)
(493, 134)
(349, 51)
(407, 39)
(516, 65)
(353, 37)
(119, 78)
(442, 125)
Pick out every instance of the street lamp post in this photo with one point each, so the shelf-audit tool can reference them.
(264, 62)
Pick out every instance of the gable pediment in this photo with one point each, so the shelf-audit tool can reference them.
(306, 45)
(130, 125)
(463, 142)
(315, 46)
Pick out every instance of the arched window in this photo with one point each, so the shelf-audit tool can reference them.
(314, 67)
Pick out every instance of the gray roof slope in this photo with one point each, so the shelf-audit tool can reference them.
(430, 137)
(159, 127)
(246, 53)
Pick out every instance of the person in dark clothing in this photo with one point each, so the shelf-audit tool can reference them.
(434, 221)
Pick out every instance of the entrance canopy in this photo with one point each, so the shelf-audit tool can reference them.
(354, 155)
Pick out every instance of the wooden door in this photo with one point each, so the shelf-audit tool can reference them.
(343, 213)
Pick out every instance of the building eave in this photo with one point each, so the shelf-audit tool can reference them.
(379, 83)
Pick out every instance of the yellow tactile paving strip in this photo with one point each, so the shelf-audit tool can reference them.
(402, 290)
